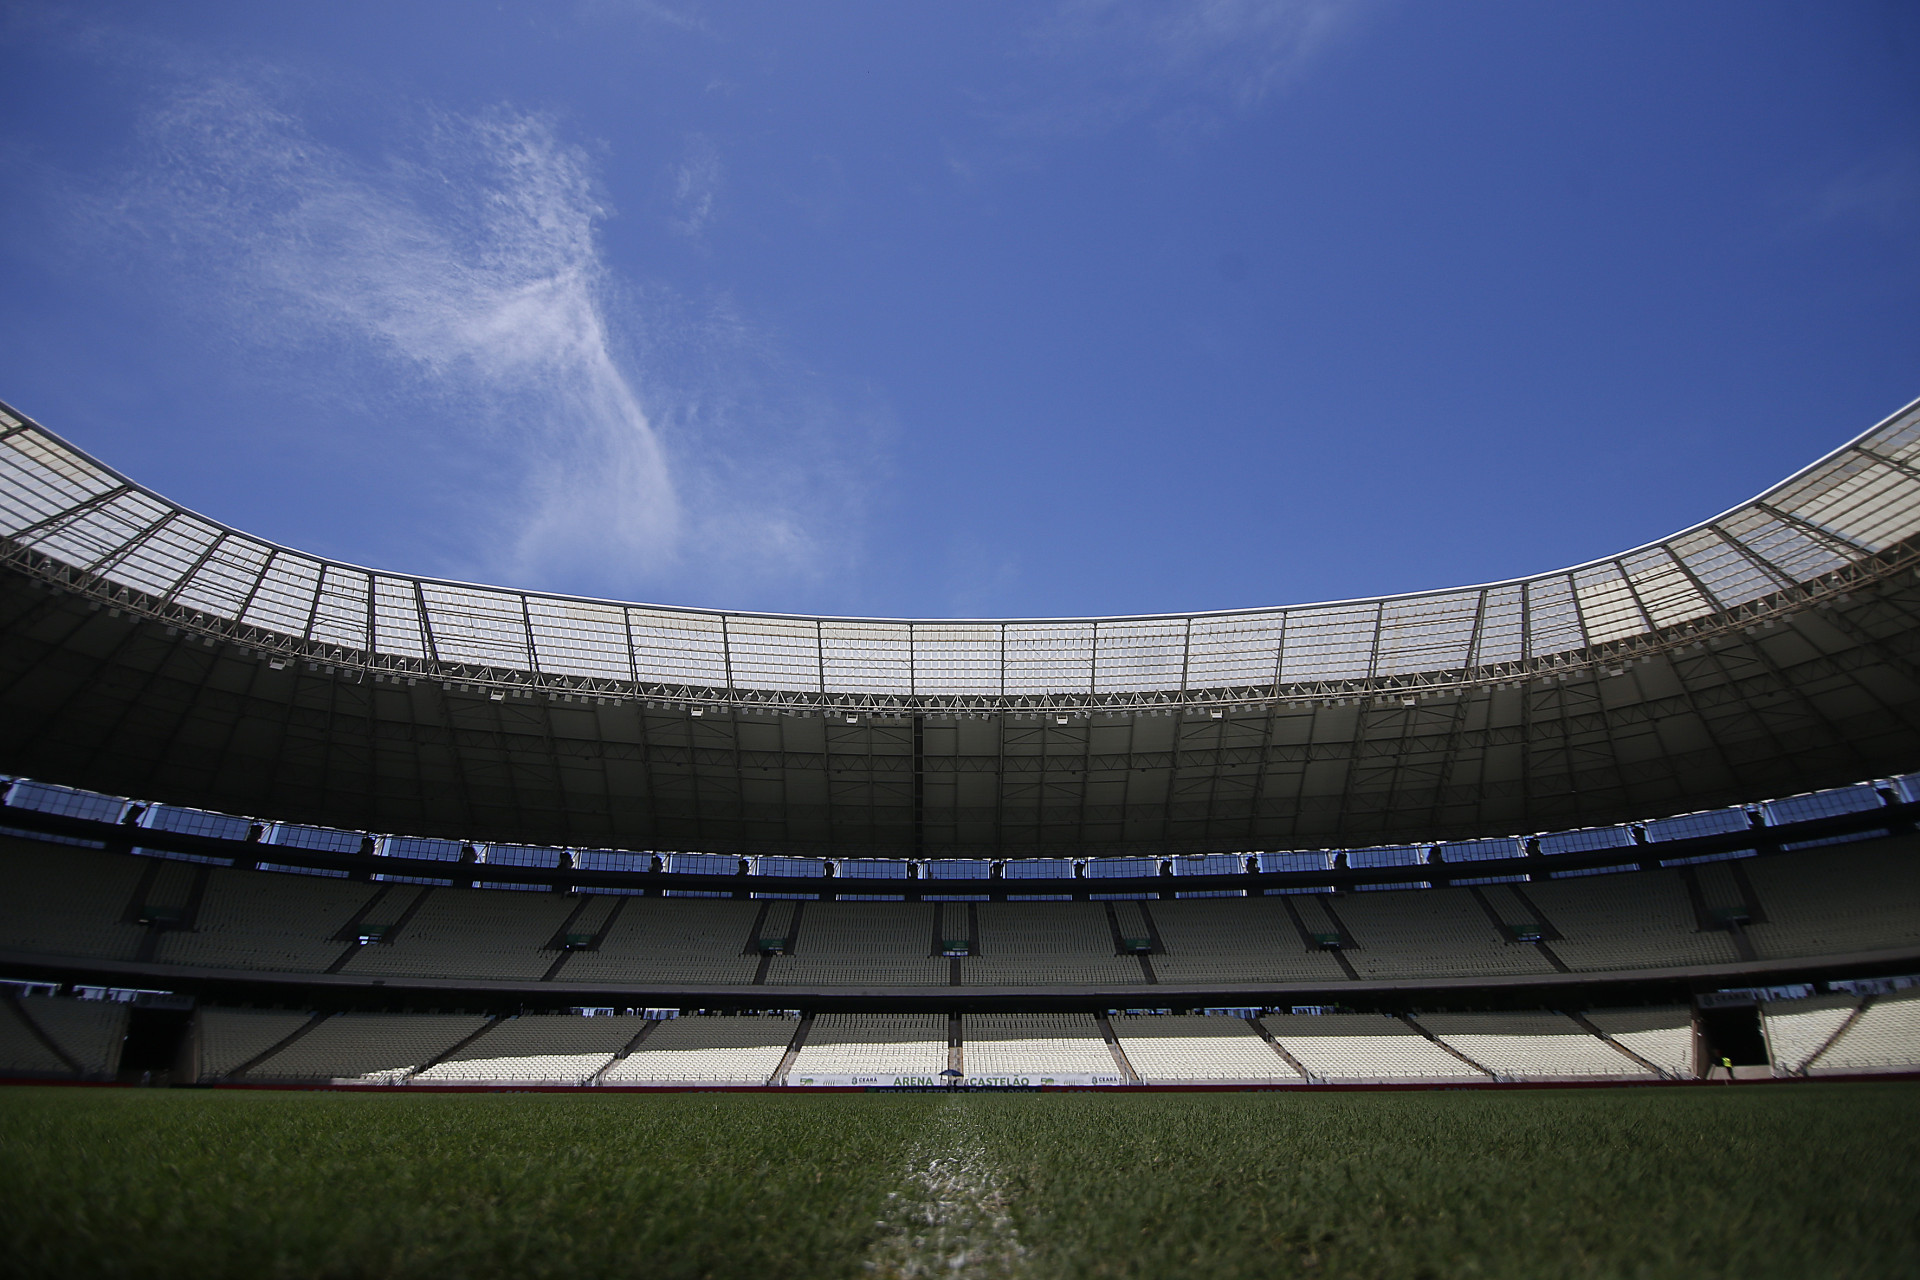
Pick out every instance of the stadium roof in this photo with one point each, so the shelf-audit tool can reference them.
(1768, 649)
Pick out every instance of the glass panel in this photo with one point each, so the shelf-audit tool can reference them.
(1860, 500)
(1427, 633)
(1732, 577)
(1049, 657)
(1786, 548)
(284, 601)
(524, 855)
(1590, 838)
(1235, 650)
(1139, 657)
(1478, 850)
(1111, 868)
(774, 653)
(1822, 804)
(1606, 605)
(678, 648)
(1209, 864)
(1553, 625)
(396, 619)
(1502, 629)
(91, 536)
(195, 822)
(1688, 826)
(44, 797)
(1329, 644)
(1664, 589)
(959, 869)
(223, 582)
(163, 558)
(342, 616)
(482, 627)
(577, 638)
(956, 658)
(324, 839)
(1038, 869)
(866, 657)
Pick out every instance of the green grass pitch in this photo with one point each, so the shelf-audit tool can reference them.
(1763, 1180)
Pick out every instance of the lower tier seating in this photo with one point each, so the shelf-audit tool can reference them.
(706, 1050)
(23, 1051)
(1663, 1035)
(367, 1047)
(1170, 1049)
(1364, 1046)
(857, 1044)
(537, 1049)
(89, 1032)
(231, 1038)
(1533, 1046)
(1796, 1030)
(1035, 1045)
(1885, 1037)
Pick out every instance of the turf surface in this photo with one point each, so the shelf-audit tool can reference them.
(1784, 1180)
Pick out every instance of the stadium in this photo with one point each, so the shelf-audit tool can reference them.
(1647, 819)
(276, 823)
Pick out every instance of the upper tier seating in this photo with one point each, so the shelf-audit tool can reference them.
(1186, 1047)
(368, 1047)
(1035, 1045)
(1047, 944)
(1233, 940)
(250, 920)
(858, 1044)
(1814, 906)
(231, 1038)
(698, 941)
(562, 1048)
(863, 944)
(1885, 1037)
(1532, 1046)
(474, 933)
(1663, 1035)
(91, 1032)
(1632, 920)
(698, 1050)
(63, 901)
(1431, 934)
(1364, 1046)
(1796, 1029)
(71, 903)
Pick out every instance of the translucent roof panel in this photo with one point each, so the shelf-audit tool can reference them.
(956, 658)
(1134, 657)
(57, 502)
(866, 657)
(577, 638)
(774, 653)
(470, 625)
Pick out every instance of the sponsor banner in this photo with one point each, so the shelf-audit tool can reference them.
(889, 1081)
(1038, 1081)
(854, 1082)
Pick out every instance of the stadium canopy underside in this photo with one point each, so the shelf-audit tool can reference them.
(149, 651)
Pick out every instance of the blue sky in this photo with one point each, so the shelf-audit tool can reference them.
(1057, 308)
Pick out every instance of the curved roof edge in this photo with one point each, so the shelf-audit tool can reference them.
(1848, 517)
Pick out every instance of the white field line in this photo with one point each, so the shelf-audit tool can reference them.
(951, 1218)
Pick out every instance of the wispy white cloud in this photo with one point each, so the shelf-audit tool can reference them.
(1883, 191)
(652, 439)
(1186, 64)
(696, 184)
